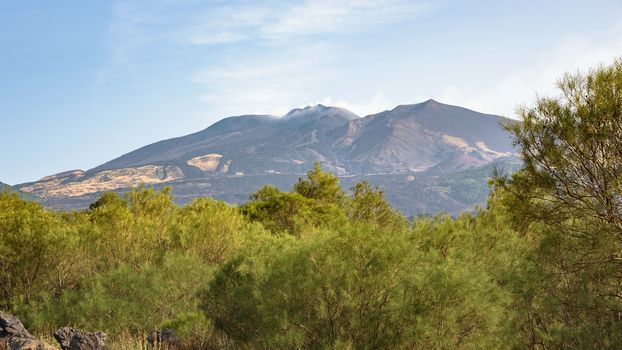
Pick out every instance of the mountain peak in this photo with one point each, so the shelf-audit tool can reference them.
(428, 103)
(318, 108)
(319, 111)
(318, 116)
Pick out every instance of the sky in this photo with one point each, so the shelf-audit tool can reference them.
(83, 82)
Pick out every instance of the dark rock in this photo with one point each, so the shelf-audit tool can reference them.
(17, 343)
(11, 326)
(163, 337)
(14, 336)
(75, 339)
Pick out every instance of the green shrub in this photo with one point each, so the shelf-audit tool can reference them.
(128, 299)
(365, 287)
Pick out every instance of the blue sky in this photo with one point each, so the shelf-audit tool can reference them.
(82, 82)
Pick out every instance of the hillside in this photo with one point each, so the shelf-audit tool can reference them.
(5, 187)
(237, 155)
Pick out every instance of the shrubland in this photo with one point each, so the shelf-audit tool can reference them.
(318, 267)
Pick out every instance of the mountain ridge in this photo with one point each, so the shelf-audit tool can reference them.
(408, 139)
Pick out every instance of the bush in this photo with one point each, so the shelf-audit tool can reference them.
(128, 299)
(365, 287)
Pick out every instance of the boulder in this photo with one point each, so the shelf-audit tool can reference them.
(75, 339)
(162, 337)
(12, 326)
(14, 336)
(16, 343)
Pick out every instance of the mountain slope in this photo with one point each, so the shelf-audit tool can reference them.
(175, 148)
(4, 187)
(421, 136)
(237, 137)
(8, 188)
(428, 137)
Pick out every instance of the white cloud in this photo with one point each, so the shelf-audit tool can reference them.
(539, 77)
(289, 54)
(378, 103)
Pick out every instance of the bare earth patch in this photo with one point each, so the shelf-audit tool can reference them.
(208, 162)
(108, 180)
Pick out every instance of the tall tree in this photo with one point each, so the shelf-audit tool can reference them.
(568, 200)
(572, 147)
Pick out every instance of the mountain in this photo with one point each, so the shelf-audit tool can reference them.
(420, 137)
(250, 144)
(237, 155)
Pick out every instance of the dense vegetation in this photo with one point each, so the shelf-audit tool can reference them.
(539, 267)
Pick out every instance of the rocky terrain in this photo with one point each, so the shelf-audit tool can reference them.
(14, 336)
(408, 151)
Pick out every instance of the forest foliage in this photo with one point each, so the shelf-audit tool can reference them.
(539, 267)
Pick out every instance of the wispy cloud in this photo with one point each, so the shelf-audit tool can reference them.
(335, 16)
(249, 56)
(521, 85)
(268, 83)
(129, 31)
(300, 45)
(272, 23)
(268, 56)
